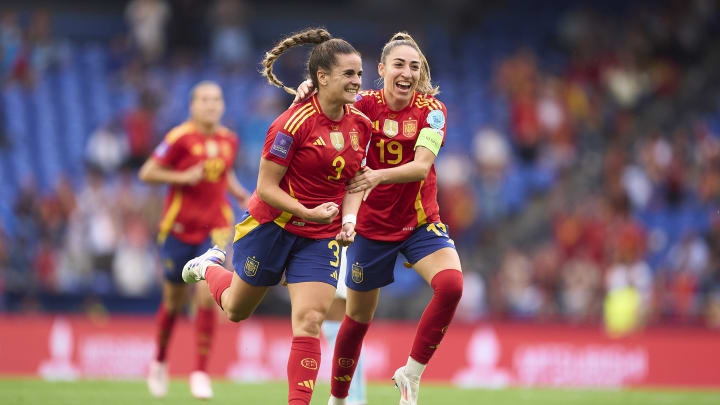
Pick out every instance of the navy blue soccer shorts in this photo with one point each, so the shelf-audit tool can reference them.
(263, 252)
(371, 262)
(174, 254)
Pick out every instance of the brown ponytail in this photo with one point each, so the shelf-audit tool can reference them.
(321, 56)
(424, 85)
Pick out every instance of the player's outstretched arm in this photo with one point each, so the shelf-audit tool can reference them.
(152, 172)
(268, 189)
(415, 170)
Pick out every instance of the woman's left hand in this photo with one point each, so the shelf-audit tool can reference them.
(365, 180)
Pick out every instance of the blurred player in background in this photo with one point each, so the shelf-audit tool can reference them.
(196, 160)
(292, 227)
(401, 214)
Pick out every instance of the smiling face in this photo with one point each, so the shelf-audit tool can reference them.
(343, 82)
(400, 71)
(207, 105)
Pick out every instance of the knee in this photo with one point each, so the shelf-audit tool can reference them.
(449, 284)
(309, 323)
(236, 314)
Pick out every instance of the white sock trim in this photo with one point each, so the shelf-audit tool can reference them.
(335, 400)
(413, 368)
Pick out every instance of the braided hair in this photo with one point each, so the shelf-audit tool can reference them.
(322, 56)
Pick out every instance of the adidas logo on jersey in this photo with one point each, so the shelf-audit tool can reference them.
(345, 378)
(307, 384)
(334, 275)
(319, 141)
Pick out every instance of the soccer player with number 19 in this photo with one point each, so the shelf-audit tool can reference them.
(400, 214)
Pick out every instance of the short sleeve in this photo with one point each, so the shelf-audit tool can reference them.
(168, 152)
(366, 103)
(280, 144)
(436, 118)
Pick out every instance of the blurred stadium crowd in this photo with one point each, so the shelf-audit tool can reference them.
(583, 151)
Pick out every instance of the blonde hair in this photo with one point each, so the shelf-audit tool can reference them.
(424, 85)
(322, 55)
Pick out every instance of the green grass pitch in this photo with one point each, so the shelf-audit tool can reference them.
(31, 391)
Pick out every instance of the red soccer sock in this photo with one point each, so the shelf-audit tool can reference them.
(165, 323)
(347, 351)
(302, 369)
(218, 279)
(447, 286)
(204, 330)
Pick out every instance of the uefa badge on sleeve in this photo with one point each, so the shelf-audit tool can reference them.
(281, 145)
(436, 119)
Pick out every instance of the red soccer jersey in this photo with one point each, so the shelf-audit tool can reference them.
(393, 211)
(321, 156)
(192, 212)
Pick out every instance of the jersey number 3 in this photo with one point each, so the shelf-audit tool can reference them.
(339, 164)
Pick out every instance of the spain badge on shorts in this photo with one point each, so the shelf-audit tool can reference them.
(251, 266)
(357, 273)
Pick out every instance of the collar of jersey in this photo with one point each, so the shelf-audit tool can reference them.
(316, 104)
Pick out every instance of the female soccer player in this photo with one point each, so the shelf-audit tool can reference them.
(311, 152)
(399, 215)
(196, 160)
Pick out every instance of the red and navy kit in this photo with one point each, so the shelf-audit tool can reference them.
(191, 212)
(396, 218)
(321, 156)
(195, 217)
(393, 211)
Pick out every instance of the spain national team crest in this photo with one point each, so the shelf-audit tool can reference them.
(345, 362)
(409, 128)
(390, 128)
(251, 266)
(357, 273)
(354, 140)
(337, 140)
(309, 363)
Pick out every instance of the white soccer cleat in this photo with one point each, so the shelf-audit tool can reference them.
(200, 385)
(408, 387)
(337, 401)
(194, 270)
(157, 379)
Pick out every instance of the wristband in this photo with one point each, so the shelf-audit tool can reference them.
(352, 218)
